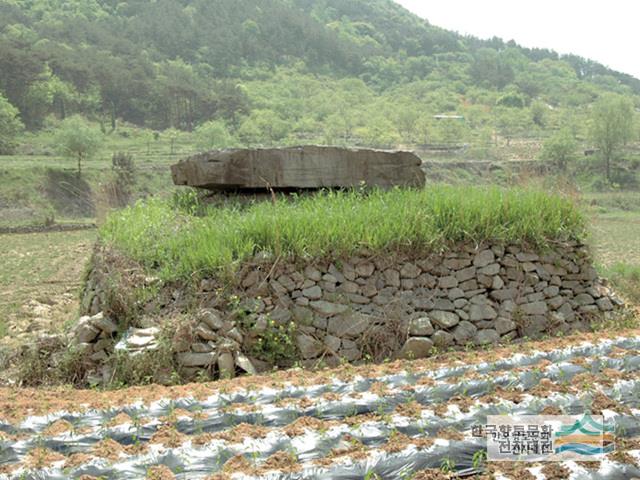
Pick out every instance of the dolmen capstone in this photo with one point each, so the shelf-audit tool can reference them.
(307, 167)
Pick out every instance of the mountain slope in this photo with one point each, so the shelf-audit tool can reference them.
(179, 63)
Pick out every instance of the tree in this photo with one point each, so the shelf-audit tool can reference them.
(539, 113)
(611, 126)
(213, 134)
(76, 138)
(10, 125)
(560, 149)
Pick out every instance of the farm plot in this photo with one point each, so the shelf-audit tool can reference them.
(399, 420)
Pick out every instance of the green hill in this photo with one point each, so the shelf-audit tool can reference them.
(285, 71)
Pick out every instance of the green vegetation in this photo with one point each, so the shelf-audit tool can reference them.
(612, 126)
(10, 125)
(179, 244)
(77, 139)
(626, 280)
(163, 79)
(337, 71)
(560, 149)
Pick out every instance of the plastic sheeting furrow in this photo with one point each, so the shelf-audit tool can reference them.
(348, 399)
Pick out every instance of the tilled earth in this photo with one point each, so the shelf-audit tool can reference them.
(390, 421)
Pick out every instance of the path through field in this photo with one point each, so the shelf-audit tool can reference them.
(39, 281)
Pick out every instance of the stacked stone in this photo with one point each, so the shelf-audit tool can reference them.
(218, 345)
(463, 297)
(95, 336)
(467, 296)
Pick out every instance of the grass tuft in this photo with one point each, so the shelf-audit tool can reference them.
(177, 244)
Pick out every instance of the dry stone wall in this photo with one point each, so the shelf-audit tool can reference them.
(383, 306)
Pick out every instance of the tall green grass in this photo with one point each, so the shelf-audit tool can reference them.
(179, 245)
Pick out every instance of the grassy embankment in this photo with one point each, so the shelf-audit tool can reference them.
(178, 244)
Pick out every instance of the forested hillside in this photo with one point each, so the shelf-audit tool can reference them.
(358, 71)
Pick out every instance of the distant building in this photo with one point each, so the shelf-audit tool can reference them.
(448, 117)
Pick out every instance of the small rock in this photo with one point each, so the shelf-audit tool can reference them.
(333, 270)
(420, 327)
(442, 339)
(312, 273)
(104, 323)
(448, 282)
(423, 303)
(349, 287)
(555, 302)
(365, 269)
(212, 318)
(527, 257)
(535, 297)
(504, 325)
(190, 359)
(484, 258)
(99, 356)
(497, 283)
(466, 274)
(491, 269)
(460, 302)
(309, 347)
(409, 270)
(464, 332)
(456, 263)
(333, 343)
(551, 291)
(348, 271)
(85, 332)
(444, 319)
(278, 288)
(287, 282)
(392, 277)
(407, 283)
(485, 337)
(349, 325)
(584, 299)
(358, 299)
(426, 280)
(485, 280)
(455, 293)
(327, 277)
(251, 279)
(482, 312)
(205, 332)
(350, 351)
(201, 347)
(102, 344)
(444, 304)
(226, 365)
(604, 304)
(416, 347)
(235, 335)
(328, 308)
(534, 308)
(245, 364)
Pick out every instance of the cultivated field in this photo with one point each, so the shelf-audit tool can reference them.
(409, 419)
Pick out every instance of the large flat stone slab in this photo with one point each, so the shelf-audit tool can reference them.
(298, 167)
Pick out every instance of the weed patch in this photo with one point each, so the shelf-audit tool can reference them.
(179, 245)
